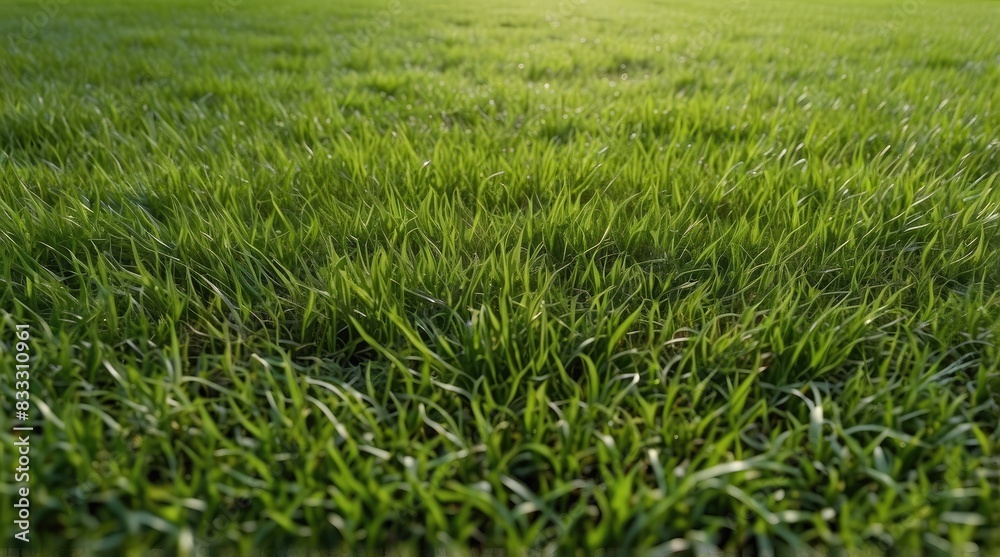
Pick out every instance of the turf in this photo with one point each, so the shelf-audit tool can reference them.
(435, 274)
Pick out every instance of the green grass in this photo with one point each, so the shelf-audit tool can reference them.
(651, 276)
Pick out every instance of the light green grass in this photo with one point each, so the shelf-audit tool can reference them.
(648, 275)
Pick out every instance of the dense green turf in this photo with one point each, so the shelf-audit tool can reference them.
(668, 275)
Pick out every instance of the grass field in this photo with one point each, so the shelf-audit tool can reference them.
(493, 277)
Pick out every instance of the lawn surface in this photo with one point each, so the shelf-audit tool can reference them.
(643, 275)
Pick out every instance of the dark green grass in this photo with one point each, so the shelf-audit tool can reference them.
(658, 276)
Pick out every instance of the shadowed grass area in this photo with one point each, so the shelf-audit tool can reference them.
(655, 276)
